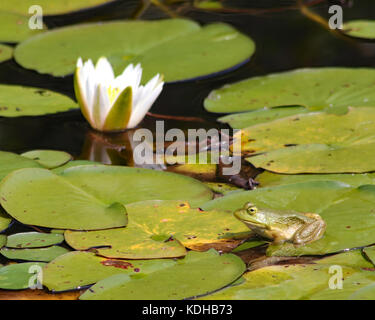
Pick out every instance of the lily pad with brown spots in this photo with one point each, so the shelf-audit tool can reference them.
(162, 229)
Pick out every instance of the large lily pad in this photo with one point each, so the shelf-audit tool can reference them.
(270, 179)
(364, 29)
(33, 240)
(197, 274)
(40, 197)
(314, 143)
(179, 49)
(15, 27)
(19, 276)
(77, 269)
(247, 119)
(90, 197)
(342, 207)
(50, 7)
(294, 282)
(36, 254)
(18, 101)
(6, 52)
(48, 158)
(152, 224)
(331, 89)
(127, 185)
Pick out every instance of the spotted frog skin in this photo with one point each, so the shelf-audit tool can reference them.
(282, 226)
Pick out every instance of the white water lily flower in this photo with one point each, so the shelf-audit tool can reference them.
(112, 103)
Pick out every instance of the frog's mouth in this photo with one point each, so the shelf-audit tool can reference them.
(249, 221)
(253, 223)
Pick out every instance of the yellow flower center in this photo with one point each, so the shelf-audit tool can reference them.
(112, 93)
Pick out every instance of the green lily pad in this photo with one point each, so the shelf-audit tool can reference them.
(127, 185)
(19, 276)
(196, 274)
(152, 224)
(314, 143)
(10, 162)
(6, 52)
(40, 197)
(5, 220)
(342, 207)
(179, 49)
(270, 179)
(249, 244)
(15, 27)
(36, 254)
(3, 240)
(364, 29)
(77, 269)
(51, 7)
(74, 163)
(302, 197)
(48, 158)
(331, 89)
(16, 101)
(90, 197)
(33, 240)
(246, 119)
(295, 282)
(352, 258)
(370, 254)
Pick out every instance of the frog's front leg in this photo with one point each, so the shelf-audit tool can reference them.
(310, 232)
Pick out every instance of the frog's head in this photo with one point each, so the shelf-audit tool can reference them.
(252, 216)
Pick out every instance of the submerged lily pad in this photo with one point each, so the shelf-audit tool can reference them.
(364, 29)
(19, 276)
(179, 49)
(14, 27)
(35, 254)
(51, 7)
(270, 179)
(77, 269)
(6, 52)
(153, 224)
(331, 89)
(314, 143)
(342, 207)
(48, 158)
(33, 240)
(16, 101)
(196, 274)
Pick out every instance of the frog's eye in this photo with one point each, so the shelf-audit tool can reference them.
(252, 210)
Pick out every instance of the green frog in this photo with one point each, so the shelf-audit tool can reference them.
(281, 226)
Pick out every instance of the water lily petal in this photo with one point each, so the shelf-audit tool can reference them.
(101, 107)
(150, 93)
(104, 71)
(80, 92)
(119, 115)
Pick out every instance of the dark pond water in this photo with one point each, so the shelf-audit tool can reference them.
(285, 39)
